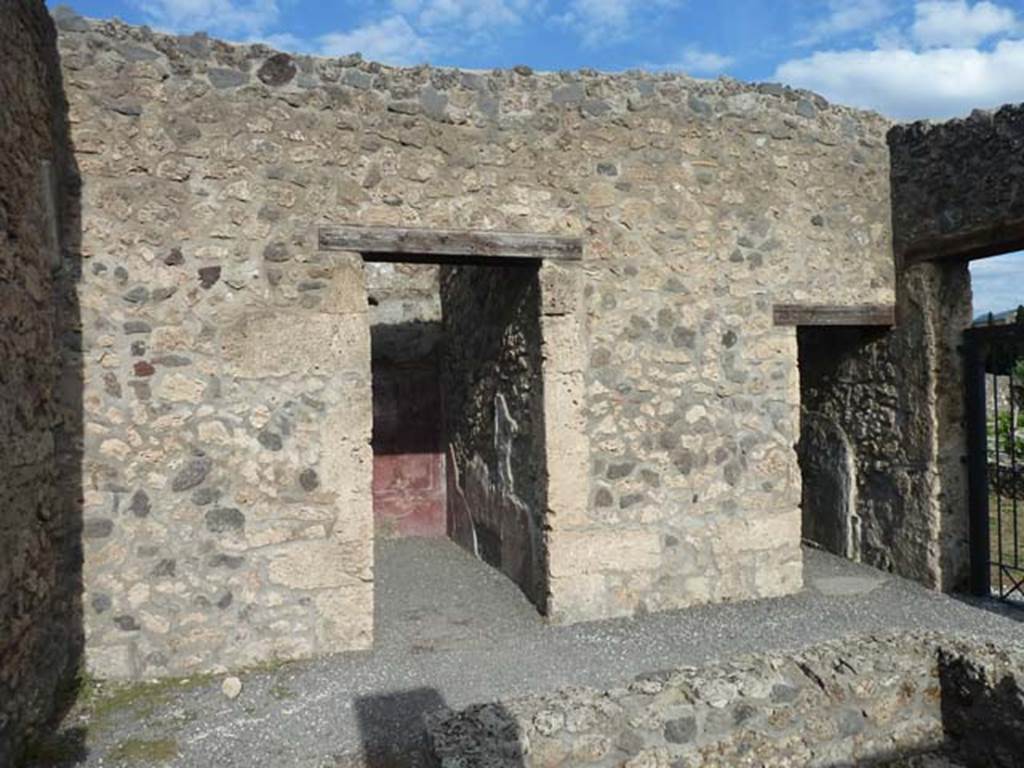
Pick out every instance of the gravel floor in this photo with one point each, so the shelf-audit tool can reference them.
(452, 631)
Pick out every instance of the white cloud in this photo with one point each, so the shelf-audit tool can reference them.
(901, 83)
(956, 23)
(472, 15)
(697, 61)
(599, 21)
(998, 283)
(282, 41)
(391, 40)
(849, 16)
(224, 17)
(418, 29)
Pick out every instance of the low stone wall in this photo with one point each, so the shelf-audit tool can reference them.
(871, 701)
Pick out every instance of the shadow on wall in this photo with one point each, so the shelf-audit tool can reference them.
(41, 390)
(408, 443)
(982, 717)
(406, 388)
(393, 729)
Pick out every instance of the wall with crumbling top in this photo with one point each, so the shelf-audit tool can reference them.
(40, 612)
(954, 186)
(895, 399)
(954, 199)
(700, 205)
(889, 701)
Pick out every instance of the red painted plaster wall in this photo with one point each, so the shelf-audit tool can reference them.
(408, 461)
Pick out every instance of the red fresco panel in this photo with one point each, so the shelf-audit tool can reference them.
(408, 464)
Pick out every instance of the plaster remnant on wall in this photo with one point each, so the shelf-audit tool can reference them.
(505, 432)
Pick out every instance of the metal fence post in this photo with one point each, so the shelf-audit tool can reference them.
(977, 466)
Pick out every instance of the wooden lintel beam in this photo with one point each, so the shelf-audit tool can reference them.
(448, 244)
(834, 314)
(980, 242)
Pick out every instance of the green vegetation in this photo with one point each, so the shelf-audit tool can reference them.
(64, 748)
(1008, 427)
(107, 699)
(1011, 436)
(145, 751)
(1007, 554)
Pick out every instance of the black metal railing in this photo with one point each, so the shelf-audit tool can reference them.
(994, 356)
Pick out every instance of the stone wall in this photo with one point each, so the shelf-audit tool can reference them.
(700, 204)
(40, 610)
(952, 201)
(875, 701)
(896, 398)
(227, 380)
(494, 419)
(954, 186)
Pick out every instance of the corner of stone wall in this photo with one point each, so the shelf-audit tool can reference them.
(948, 207)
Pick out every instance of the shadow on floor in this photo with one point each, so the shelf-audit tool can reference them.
(393, 731)
(1012, 611)
(63, 749)
(392, 727)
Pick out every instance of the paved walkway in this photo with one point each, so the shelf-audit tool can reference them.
(452, 631)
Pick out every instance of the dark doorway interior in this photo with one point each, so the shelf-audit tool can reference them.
(408, 443)
(849, 421)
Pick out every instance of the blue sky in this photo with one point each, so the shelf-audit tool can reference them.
(908, 59)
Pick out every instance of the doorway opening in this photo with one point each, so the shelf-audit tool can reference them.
(853, 461)
(994, 370)
(458, 426)
(465, 341)
(846, 503)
